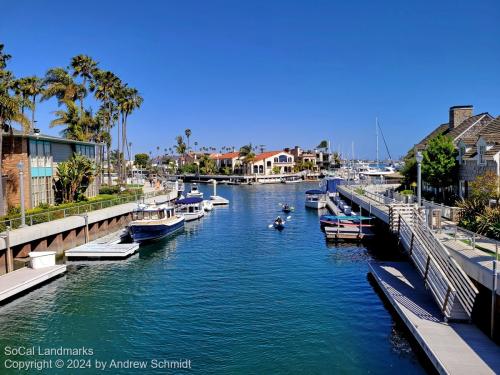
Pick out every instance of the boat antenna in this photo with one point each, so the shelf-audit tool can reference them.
(385, 143)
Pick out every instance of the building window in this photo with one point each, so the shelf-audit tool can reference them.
(282, 158)
(275, 160)
(268, 164)
(480, 155)
(461, 154)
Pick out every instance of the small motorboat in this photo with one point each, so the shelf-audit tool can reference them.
(194, 192)
(208, 205)
(151, 222)
(315, 199)
(191, 208)
(287, 208)
(279, 223)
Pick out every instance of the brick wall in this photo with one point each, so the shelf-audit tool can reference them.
(15, 150)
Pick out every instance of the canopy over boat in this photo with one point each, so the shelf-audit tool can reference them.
(314, 191)
(190, 200)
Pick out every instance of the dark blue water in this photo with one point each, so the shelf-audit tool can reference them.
(228, 293)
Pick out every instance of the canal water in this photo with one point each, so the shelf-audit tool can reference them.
(229, 294)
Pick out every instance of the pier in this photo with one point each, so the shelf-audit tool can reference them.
(453, 348)
(436, 295)
(25, 279)
(107, 247)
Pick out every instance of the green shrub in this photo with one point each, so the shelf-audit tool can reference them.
(406, 192)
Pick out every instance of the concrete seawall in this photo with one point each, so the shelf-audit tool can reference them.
(63, 234)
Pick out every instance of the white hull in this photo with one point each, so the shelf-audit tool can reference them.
(190, 216)
(208, 205)
(194, 195)
(218, 201)
(316, 204)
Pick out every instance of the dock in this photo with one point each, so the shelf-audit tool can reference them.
(107, 247)
(25, 279)
(453, 348)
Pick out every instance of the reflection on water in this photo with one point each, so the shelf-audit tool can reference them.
(229, 293)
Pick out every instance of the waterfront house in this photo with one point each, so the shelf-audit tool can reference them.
(301, 156)
(231, 160)
(273, 162)
(40, 155)
(464, 128)
(478, 154)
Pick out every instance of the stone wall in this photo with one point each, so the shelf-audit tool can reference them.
(15, 150)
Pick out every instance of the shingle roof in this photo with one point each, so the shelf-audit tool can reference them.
(491, 132)
(439, 130)
(470, 126)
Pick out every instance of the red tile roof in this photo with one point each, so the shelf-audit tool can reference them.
(228, 155)
(268, 154)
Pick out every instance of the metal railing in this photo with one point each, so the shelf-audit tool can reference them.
(56, 214)
(441, 287)
(475, 240)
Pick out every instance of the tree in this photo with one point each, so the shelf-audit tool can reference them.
(409, 170)
(61, 85)
(180, 147)
(439, 163)
(141, 160)
(323, 144)
(10, 110)
(83, 66)
(486, 187)
(276, 170)
(105, 87)
(74, 177)
(187, 132)
(76, 127)
(30, 88)
(207, 165)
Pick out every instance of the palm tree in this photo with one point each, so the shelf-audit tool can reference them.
(180, 148)
(10, 110)
(105, 87)
(187, 132)
(31, 87)
(83, 66)
(128, 101)
(77, 125)
(60, 84)
(247, 154)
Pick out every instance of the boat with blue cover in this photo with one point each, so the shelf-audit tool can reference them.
(152, 222)
(191, 208)
(315, 199)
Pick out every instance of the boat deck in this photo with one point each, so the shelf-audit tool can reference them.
(107, 247)
(26, 278)
(454, 348)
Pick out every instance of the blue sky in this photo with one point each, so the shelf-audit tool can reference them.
(278, 73)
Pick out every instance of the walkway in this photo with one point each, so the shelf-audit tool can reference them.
(454, 348)
(26, 278)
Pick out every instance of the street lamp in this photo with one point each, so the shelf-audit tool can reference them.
(20, 166)
(419, 158)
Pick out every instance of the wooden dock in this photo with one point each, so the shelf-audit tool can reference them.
(453, 348)
(351, 233)
(24, 279)
(107, 247)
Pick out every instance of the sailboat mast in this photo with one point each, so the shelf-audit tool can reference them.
(376, 132)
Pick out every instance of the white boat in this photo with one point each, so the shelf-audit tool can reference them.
(216, 199)
(208, 205)
(291, 180)
(315, 199)
(150, 222)
(376, 172)
(194, 192)
(191, 208)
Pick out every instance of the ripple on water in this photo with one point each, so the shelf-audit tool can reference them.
(230, 294)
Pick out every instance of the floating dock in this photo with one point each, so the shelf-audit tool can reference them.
(351, 233)
(24, 279)
(453, 348)
(107, 247)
